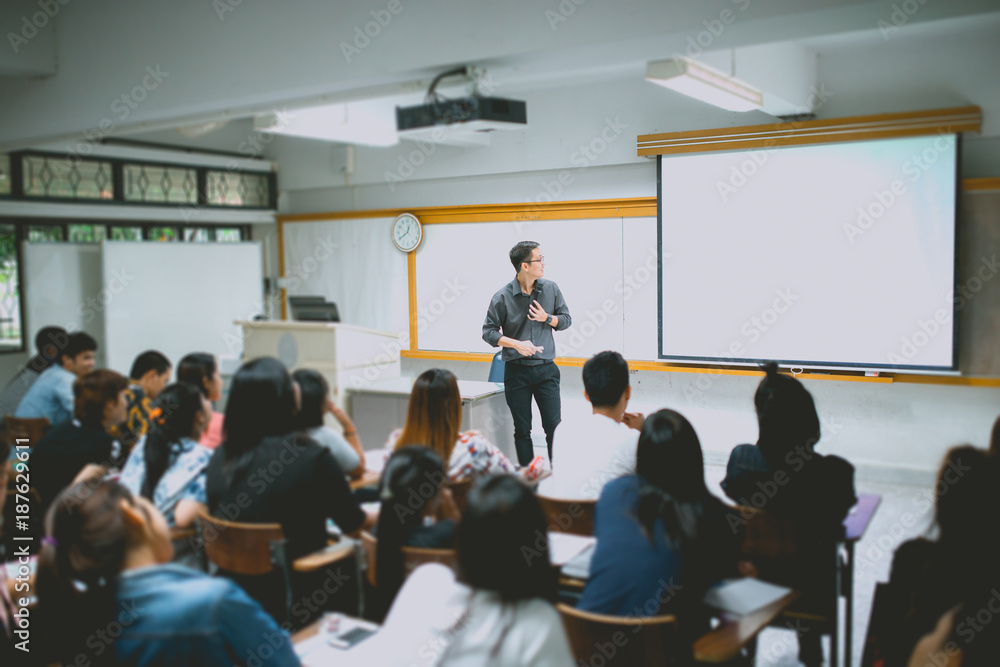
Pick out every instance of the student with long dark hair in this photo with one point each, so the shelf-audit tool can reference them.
(413, 496)
(202, 370)
(814, 492)
(168, 468)
(434, 419)
(662, 537)
(316, 402)
(107, 592)
(99, 407)
(500, 610)
(266, 472)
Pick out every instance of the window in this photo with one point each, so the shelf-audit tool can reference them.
(10, 293)
(87, 233)
(197, 234)
(160, 184)
(63, 178)
(228, 234)
(163, 234)
(235, 188)
(126, 233)
(4, 175)
(43, 233)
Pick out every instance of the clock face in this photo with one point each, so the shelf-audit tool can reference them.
(407, 232)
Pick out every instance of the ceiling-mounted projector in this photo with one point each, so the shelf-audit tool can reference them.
(462, 121)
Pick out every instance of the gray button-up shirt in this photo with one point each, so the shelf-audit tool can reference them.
(508, 316)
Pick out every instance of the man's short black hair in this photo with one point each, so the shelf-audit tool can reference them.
(148, 361)
(521, 253)
(50, 340)
(78, 343)
(605, 377)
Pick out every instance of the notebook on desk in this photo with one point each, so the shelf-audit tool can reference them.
(743, 596)
(563, 547)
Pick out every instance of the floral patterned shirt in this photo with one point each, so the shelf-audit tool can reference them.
(184, 477)
(473, 455)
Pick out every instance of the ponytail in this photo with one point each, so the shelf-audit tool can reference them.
(173, 420)
(81, 558)
(411, 472)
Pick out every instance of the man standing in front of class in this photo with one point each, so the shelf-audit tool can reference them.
(520, 319)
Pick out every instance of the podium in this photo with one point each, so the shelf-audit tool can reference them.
(348, 356)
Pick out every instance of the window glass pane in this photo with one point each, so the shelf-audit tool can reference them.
(58, 176)
(45, 233)
(234, 188)
(196, 234)
(160, 184)
(4, 174)
(87, 233)
(126, 233)
(10, 302)
(228, 234)
(162, 234)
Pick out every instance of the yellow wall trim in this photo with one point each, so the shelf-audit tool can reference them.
(980, 184)
(855, 128)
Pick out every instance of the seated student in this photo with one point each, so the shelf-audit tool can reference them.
(316, 402)
(995, 438)
(589, 452)
(930, 577)
(417, 511)
(662, 537)
(202, 370)
(51, 396)
(265, 472)
(105, 564)
(168, 467)
(500, 610)
(434, 417)
(812, 491)
(99, 406)
(48, 341)
(149, 375)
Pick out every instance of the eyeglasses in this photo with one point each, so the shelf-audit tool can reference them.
(540, 259)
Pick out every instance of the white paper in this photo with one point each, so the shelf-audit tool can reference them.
(564, 546)
(743, 596)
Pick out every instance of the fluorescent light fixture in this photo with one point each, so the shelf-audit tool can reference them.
(704, 83)
(371, 123)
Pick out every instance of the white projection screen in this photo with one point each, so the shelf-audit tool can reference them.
(831, 256)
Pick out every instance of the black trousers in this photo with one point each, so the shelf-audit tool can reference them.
(521, 382)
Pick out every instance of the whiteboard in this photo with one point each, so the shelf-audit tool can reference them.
(460, 266)
(352, 263)
(63, 288)
(179, 298)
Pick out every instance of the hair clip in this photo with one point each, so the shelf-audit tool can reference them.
(48, 540)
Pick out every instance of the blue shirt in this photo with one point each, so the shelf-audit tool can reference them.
(183, 478)
(631, 576)
(172, 615)
(51, 396)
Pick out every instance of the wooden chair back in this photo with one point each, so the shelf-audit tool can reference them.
(241, 548)
(460, 493)
(413, 557)
(30, 429)
(619, 640)
(569, 516)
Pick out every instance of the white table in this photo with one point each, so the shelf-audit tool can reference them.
(379, 407)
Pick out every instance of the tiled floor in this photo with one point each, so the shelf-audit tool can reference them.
(905, 512)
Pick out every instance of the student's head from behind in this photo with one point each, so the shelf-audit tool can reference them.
(501, 518)
(434, 415)
(151, 371)
(314, 392)
(786, 415)
(261, 404)
(995, 438)
(202, 370)
(99, 399)
(527, 256)
(78, 355)
(94, 531)
(964, 495)
(50, 342)
(410, 490)
(605, 380)
(669, 456)
(181, 411)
